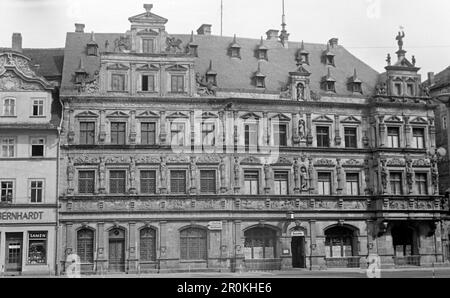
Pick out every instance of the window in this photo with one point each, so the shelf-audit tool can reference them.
(148, 83)
(323, 136)
(177, 131)
(9, 107)
(396, 183)
(148, 182)
(148, 133)
(260, 243)
(324, 183)
(280, 135)
(147, 250)
(339, 243)
(92, 49)
(86, 182)
(418, 138)
(251, 182)
(421, 184)
(87, 133)
(398, 89)
(118, 133)
(37, 147)
(8, 147)
(85, 246)
(262, 54)
(304, 58)
(178, 182)
(281, 183)
(208, 181)
(330, 86)
(117, 182)
(193, 244)
(208, 137)
(251, 135)
(403, 241)
(352, 180)
(235, 52)
(118, 82)
(177, 85)
(38, 107)
(394, 137)
(147, 46)
(410, 89)
(357, 87)
(37, 248)
(350, 137)
(36, 191)
(260, 82)
(330, 60)
(7, 191)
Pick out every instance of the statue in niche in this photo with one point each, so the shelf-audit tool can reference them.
(163, 166)
(304, 179)
(301, 129)
(132, 173)
(300, 92)
(296, 174)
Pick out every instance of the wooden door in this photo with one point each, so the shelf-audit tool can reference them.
(14, 250)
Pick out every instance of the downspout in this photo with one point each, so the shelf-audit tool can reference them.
(58, 156)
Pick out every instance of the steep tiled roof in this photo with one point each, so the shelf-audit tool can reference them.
(442, 78)
(234, 73)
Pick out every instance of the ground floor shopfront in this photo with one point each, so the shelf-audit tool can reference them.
(27, 241)
(248, 244)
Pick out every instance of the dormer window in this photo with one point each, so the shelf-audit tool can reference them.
(398, 89)
(357, 87)
(260, 78)
(330, 60)
(302, 55)
(410, 89)
(92, 46)
(192, 48)
(329, 56)
(355, 83)
(261, 51)
(330, 86)
(329, 83)
(235, 49)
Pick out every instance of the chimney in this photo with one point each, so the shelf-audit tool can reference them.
(272, 34)
(79, 28)
(431, 78)
(204, 29)
(17, 42)
(334, 42)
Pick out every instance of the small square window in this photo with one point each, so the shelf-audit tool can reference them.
(37, 147)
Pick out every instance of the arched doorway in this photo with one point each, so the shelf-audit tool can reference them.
(341, 250)
(405, 248)
(260, 249)
(117, 250)
(298, 248)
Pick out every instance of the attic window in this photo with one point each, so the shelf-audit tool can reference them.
(235, 53)
(398, 89)
(193, 50)
(410, 89)
(304, 58)
(357, 87)
(329, 86)
(92, 50)
(330, 60)
(261, 54)
(147, 46)
(260, 82)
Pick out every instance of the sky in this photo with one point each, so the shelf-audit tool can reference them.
(367, 28)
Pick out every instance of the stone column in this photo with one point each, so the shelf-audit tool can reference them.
(221, 132)
(365, 132)
(192, 130)
(235, 129)
(296, 167)
(295, 132)
(223, 177)
(311, 174)
(133, 261)
(340, 177)
(163, 129)
(102, 134)
(314, 256)
(163, 245)
(432, 133)
(267, 178)
(66, 126)
(267, 127)
(101, 254)
(408, 132)
(382, 129)
(133, 132)
(337, 131)
(238, 256)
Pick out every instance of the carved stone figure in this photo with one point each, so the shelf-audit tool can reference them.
(435, 173)
(236, 171)
(409, 174)
(132, 175)
(193, 168)
(296, 173)
(399, 39)
(302, 129)
(389, 59)
(102, 175)
(304, 179)
(381, 89)
(70, 175)
(173, 45)
(300, 92)
(204, 88)
(384, 175)
(222, 173)
(122, 44)
(163, 168)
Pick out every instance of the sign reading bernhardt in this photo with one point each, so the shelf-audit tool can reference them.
(26, 216)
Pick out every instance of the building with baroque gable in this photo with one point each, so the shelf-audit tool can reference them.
(199, 151)
(29, 121)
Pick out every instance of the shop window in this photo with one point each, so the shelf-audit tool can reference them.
(85, 246)
(193, 245)
(339, 242)
(37, 248)
(147, 249)
(260, 243)
(403, 240)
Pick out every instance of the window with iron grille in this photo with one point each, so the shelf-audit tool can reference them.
(178, 182)
(251, 182)
(87, 133)
(350, 137)
(7, 190)
(8, 147)
(148, 83)
(323, 136)
(396, 183)
(147, 241)
(280, 135)
(324, 183)
(281, 183)
(38, 107)
(36, 191)
(352, 180)
(418, 138)
(148, 182)
(118, 133)
(394, 137)
(193, 245)
(86, 182)
(85, 246)
(148, 133)
(118, 82)
(421, 184)
(208, 181)
(177, 85)
(117, 182)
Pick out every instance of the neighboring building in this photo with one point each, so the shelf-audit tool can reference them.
(439, 90)
(293, 154)
(28, 158)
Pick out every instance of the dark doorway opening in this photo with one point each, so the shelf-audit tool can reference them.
(298, 252)
(14, 251)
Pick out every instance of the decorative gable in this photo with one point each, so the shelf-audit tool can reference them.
(251, 161)
(117, 66)
(351, 120)
(177, 67)
(209, 115)
(148, 114)
(394, 119)
(177, 115)
(250, 116)
(118, 114)
(147, 67)
(283, 161)
(87, 114)
(323, 118)
(148, 18)
(147, 32)
(419, 120)
(281, 117)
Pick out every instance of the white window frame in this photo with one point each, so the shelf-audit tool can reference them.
(13, 181)
(30, 181)
(44, 145)
(2, 146)
(413, 139)
(359, 184)
(389, 144)
(9, 114)
(41, 104)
